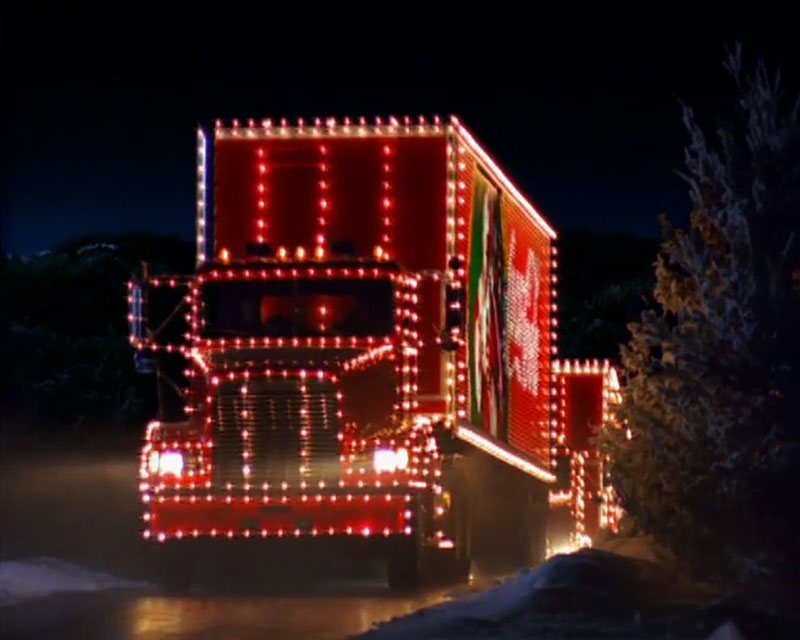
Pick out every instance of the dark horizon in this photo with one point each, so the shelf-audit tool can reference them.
(583, 113)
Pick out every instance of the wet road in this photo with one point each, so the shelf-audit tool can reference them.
(82, 507)
(147, 617)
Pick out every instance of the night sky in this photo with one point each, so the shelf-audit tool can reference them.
(581, 108)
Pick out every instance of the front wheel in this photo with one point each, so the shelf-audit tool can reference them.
(410, 567)
(447, 566)
(404, 566)
(176, 566)
(417, 560)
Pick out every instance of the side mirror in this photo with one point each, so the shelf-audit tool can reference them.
(455, 317)
(455, 307)
(136, 313)
(447, 343)
(143, 362)
(455, 298)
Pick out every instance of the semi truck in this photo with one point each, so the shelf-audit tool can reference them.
(367, 341)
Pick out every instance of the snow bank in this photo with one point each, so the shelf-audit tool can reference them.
(727, 631)
(25, 579)
(588, 579)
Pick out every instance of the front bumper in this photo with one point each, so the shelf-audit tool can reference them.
(324, 514)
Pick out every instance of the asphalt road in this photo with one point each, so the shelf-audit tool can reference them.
(82, 506)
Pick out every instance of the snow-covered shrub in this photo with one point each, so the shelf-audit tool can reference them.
(711, 464)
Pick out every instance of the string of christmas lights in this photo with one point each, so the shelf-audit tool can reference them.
(161, 482)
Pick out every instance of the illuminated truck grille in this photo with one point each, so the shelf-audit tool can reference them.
(275, 432)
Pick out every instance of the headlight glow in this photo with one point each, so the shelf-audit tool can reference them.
(388, 460)
(152, 462)
(171, 463)
(402, 458)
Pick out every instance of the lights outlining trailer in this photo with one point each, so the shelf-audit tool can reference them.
(202, 197)
(507, 184)
(491, 447)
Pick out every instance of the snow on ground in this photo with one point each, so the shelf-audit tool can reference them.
(594, 593)
(25, 579)
(637, 547)
(566, 583)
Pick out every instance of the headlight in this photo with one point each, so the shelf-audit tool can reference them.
(173, 462)
(170, 463)
(402, 458)
(152, 462)
(390, 460)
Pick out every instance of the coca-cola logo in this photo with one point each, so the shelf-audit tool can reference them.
(523, 315)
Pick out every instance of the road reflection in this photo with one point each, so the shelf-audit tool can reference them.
(313, 617)
(83, 508)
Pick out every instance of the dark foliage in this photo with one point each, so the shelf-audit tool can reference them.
(712, 397)
(64, 328)
(603, 281)
(63, 317)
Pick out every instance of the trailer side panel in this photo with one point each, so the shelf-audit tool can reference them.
(508, 279)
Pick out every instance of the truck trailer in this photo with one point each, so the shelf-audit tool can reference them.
(368, 343)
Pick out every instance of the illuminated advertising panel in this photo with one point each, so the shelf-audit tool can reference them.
(508, 332)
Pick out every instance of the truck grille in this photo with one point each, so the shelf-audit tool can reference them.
(289, 428)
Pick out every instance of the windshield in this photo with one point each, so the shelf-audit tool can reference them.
(302, 308)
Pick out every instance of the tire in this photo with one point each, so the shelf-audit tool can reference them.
(412, 563)
(508, 515)
(447, 566)
(522, 542)
(176, 566)
(459, 561)
(404, 566)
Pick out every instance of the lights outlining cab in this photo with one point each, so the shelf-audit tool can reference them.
(334, 201)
